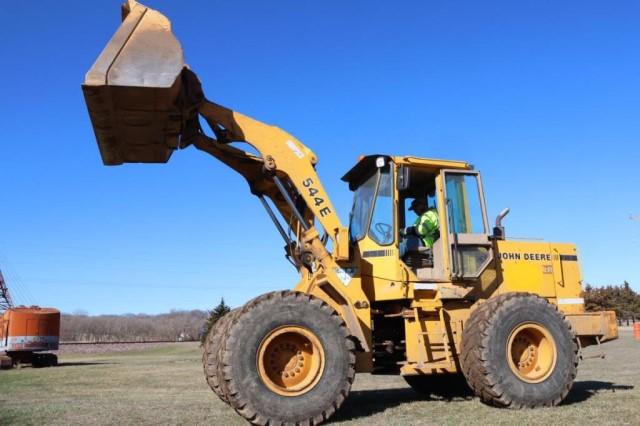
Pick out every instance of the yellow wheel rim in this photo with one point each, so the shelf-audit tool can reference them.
(290, 360)
(531, 352)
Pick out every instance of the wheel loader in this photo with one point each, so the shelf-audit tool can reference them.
(504, 317)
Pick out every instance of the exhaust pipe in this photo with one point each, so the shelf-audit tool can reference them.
(140, 95)
(498, 230)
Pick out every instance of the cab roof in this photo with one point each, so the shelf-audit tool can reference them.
(366, 163)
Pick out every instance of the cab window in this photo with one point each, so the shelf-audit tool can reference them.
(381, 229)
(362, 202)
(463, 196)
(466, 217)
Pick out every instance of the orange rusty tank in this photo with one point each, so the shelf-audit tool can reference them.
(29, 329)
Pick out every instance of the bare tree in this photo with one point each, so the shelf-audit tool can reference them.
(175, 325)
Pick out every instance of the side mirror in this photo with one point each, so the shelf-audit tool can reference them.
(402, 182)
(498, 230)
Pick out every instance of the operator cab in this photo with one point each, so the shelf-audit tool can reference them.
(372, 214)
(423, 259)
(382, 223)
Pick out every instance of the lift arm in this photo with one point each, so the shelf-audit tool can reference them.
(145, 103)
(284, 170)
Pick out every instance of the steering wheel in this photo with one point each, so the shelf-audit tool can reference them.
(385, 230)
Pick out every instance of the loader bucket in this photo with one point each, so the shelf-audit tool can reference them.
(134, 90)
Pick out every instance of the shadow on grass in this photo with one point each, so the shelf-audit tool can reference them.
(366, 403)
(80, 364)
(581, 391)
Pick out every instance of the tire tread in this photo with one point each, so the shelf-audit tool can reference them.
(234, 330)
(475, 344)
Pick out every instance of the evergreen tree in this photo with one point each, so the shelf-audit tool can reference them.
(218, 312)
(621, 299)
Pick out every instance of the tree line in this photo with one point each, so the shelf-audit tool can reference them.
(620, 298)
(194, 325)
(174, 326)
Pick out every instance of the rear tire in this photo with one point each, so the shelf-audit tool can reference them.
(287, 359)
(211, 351)
(519, 351)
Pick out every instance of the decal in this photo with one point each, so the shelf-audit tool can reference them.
(569, 257)
(537, 257)
(571, 301)
(292, 146)
(345, 275)
(378, 253)
(541, 257)
(318, 201)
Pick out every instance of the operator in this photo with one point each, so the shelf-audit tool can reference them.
(426, 225)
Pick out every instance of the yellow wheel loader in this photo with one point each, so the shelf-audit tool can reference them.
(468, 305)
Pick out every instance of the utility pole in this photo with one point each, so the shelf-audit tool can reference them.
(5, 297)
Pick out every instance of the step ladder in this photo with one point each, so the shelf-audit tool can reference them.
(428, 360)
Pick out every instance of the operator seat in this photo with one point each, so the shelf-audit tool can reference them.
(417, 255)
(436, 270)
(424, 261)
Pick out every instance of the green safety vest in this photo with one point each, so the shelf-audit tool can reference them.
(426, 226)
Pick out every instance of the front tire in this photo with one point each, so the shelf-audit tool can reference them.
(287, 358)
(210, 355)
(519, 351)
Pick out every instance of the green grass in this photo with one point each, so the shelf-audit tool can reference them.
(166, 386)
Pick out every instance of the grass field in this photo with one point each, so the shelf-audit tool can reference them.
(165, 385)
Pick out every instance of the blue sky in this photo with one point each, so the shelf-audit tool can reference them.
(543, 97)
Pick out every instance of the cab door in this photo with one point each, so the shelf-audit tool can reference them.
(373, 228)
(470, 247)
